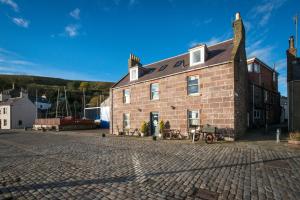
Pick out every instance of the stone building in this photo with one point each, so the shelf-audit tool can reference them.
(293, 84)
(206, 85)
(264, 98)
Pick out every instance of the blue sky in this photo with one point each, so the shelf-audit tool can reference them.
(91, 40)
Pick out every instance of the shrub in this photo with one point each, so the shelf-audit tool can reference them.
(144, 128)
(295, 136)
(161, 126)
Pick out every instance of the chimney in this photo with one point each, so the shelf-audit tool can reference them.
(290, 58)
(133, 61)
(239, 31)
(292, 48)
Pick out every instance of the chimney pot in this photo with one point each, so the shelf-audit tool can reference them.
(237, 16)
(291, 42)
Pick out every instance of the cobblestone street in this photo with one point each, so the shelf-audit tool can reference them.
(52, 166)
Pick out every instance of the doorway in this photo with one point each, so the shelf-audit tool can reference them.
(154, 117)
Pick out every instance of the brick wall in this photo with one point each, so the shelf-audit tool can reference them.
(215, 101)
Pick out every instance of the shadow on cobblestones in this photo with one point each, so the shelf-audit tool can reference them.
(132, 178)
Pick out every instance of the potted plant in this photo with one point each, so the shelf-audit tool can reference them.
(144, 129)
(294, 138)
(161, 128)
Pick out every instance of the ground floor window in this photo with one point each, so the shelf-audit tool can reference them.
(193, 118)
(20, 123)
(4, 122)
(126, 121)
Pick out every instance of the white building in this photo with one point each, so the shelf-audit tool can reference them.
(17, 112)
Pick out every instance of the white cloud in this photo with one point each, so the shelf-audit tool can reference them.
(72, 30)
(75, 13)
(263, 12)
(263, 53)
(21, 22)
(11, 3)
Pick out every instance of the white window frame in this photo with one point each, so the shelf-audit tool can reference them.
(151, 92)
(256, 68)
(187, 80)
(250, 67)
(128, 120)
(189, 119)
(134, 73)
(126, 99)
(201, 50)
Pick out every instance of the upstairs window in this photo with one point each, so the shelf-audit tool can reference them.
(193, 118)
(250, 67)
(154, 91)
(257, 114)
(126, 96)
(197, 55)
(126, 121)
(193, 85)
(256, 68)
(4, 111)
(134, 74)
(274, 76)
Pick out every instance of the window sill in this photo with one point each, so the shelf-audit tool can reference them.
(193, 95)
(154, 99)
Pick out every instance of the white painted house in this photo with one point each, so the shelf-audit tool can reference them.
(16, 113)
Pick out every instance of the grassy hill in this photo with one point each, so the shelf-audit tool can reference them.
(95, 92)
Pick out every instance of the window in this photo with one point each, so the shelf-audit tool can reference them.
(193, 118)
(4, 122)
(179, 63)
(274, 76)
(193, 85)
(134, 74)
(20, 123)
(154, 91)
(0, 111)
(256, 68)
(250, 67)
(126, 121)
(197, 55)
(162, 68)
(4, 110)
(266, 95)
(256, 114)
(126, 96)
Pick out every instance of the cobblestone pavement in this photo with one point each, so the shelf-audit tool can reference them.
(51, 166)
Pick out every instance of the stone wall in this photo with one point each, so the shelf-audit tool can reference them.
(215, 101)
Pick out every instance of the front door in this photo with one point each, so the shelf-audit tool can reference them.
(154, 123)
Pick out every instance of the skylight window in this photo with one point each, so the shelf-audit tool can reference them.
(162, 68)
(179, 63)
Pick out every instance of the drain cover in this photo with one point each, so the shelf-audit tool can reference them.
(204, 194)
(277, 163)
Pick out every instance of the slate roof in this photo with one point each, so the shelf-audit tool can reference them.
(218, 53)
(9, 102)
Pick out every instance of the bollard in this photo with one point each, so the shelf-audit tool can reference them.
(193, 137)
(278, 135)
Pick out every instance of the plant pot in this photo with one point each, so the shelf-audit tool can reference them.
(154, 137)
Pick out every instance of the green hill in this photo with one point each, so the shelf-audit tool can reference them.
(95, 92)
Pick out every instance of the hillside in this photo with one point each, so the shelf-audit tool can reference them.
(95, 92)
